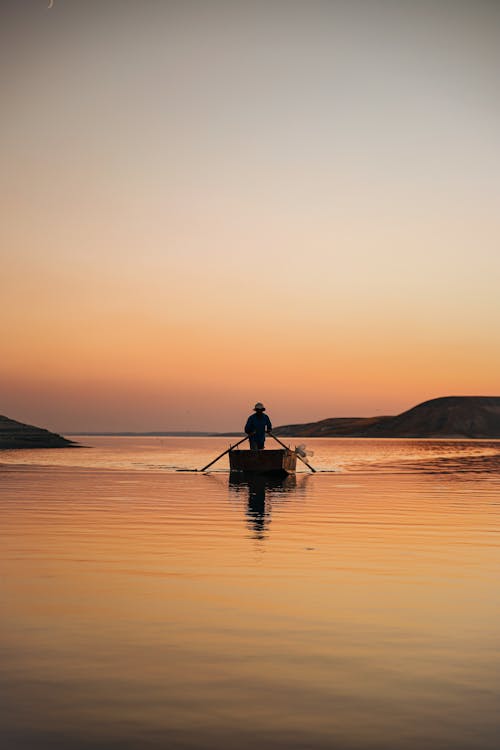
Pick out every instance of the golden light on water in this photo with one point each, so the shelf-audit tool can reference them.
(352, 608)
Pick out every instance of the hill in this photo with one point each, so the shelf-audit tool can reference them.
(446, 417)
(18, 435)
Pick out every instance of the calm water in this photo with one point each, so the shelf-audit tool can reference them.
(354, 608)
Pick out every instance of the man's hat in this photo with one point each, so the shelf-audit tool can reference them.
(259, 407)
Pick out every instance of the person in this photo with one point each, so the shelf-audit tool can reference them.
(256, 427)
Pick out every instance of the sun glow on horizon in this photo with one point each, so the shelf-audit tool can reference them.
(206, 206)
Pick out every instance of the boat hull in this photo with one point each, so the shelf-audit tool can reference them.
(280, 462)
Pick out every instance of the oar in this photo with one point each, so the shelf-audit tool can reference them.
(223, 454)
(287, 448)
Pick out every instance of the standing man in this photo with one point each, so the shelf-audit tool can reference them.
(256, 427)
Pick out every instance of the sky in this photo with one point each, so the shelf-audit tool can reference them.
(207, 204)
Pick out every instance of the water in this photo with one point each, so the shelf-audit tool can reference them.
(355, 608)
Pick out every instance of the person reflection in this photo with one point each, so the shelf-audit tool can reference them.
(258, 509)
(257, 514)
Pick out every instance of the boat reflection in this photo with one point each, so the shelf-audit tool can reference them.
(261, 490)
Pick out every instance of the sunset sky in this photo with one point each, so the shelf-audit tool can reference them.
(205, 204)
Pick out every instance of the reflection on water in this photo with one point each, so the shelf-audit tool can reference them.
(439, 464)
(148, 609)
(262, 489)
(352, 455)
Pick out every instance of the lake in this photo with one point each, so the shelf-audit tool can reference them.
(357, 608)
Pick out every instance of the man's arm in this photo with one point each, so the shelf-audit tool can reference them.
(269, 425)
(249, 428)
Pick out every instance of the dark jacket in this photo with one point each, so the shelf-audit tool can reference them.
(258, 423)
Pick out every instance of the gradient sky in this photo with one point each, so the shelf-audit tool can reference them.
(211, 203)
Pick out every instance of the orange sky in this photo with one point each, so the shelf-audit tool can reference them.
(206, 205)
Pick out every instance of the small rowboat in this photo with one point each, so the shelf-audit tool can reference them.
(281, 461)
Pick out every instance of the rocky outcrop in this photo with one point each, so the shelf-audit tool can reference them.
(18, 435)
(447, 417)
(332, 427)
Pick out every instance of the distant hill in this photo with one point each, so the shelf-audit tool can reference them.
(18, 435)
(447, 417)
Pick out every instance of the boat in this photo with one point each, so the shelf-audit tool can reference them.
(279, 462)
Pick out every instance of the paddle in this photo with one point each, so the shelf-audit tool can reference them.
(286, 447)
(223, 454)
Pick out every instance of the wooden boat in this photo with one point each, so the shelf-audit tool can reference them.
(280, 462)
